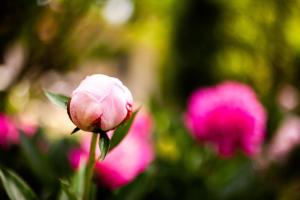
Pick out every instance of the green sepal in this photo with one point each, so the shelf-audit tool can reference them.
(58, 99)
(122, 130)
(104, 144)
(75, 130)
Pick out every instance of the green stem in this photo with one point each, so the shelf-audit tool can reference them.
(90, 167)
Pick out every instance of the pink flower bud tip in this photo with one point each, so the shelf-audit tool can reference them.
(100, 102)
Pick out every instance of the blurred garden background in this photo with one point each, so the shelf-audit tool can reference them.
(162, 50)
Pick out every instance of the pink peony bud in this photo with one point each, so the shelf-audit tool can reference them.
(100, 102)
(227, 116)
(9, 133)
(130, 158)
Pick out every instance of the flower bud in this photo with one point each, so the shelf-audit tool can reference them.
(126, 161)
(100, 102)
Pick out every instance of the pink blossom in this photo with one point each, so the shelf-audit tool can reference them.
(100, 102)
(130, 158)
(10, 130)
(227, 116)
(76, 156)
(9, 133)
(28, 127)
(288, 97)
(286, 138)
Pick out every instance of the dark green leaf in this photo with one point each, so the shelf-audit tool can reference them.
(75, 185)
(15, 187)
(67, 189)
(75, 130)
(93, 192)
(37, 162)
(121, 131)
(58, 99)
(58, 151)
(104, 144)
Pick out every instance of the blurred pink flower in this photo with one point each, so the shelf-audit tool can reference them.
(100, 102)
(286, 138)
(10, 130)
(27, 127)
(130, 158)
(288, 97)
(227, 116)
(9, 133)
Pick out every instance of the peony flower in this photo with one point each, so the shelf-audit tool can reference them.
(227, 116)
(9, 133)
(126, 161)
(100, 102)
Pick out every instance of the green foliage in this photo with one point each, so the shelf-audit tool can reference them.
(104, 144)
(15, 187)
(38, 162)
(67, 190)
(58, 99)
(73, 189)
(121, 131)
(77, 181)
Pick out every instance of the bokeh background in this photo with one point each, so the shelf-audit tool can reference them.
(162, 50)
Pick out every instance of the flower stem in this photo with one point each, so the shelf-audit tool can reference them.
(90, 167)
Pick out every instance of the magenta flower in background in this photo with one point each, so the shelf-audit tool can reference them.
(227, 116)
(9, 133)
(10, 130)
(100, 102)
(130, 158)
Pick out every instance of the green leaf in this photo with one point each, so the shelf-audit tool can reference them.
(75, 130)
(67, 189)
(15, 187)
(75, 186)
(77, 182)
(58, 99)
(121, 131)
(37, 161)
(93, 192)
(104, 144)
(58, 151)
